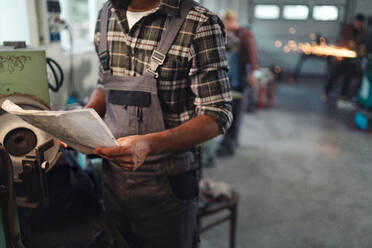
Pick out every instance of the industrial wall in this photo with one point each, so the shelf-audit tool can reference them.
(240, 6)
(18, 21)
(363, 6)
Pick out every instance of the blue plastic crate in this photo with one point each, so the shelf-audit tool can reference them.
(363, 120)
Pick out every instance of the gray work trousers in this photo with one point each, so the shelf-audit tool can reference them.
(147, 210)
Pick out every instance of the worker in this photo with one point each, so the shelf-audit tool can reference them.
(161, 97)
(353, 37)
(247, 64)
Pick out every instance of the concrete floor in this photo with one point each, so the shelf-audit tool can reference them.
(304, 175)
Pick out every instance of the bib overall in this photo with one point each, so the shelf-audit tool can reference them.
(156, 205)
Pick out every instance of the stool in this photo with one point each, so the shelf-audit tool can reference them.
(215, 207)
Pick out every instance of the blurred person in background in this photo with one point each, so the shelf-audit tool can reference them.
(243, 60)
(352, 36)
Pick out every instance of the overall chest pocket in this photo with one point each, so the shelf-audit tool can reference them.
(133, 113)
(129, 98)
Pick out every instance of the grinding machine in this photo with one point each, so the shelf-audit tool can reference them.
(26, 153)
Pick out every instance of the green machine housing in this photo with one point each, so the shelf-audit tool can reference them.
(23, 71)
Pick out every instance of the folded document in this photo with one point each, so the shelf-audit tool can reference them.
(81, 129)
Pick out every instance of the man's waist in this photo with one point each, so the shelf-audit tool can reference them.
(173, 164)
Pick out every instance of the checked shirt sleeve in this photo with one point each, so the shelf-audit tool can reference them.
(209, 79)
(96, 46)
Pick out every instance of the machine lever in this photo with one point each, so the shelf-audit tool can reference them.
(54, 162)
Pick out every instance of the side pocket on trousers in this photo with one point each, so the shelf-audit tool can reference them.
(184, 187)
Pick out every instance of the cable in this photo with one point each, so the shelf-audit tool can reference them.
(63, 25)
(58, 77)
(71, 71)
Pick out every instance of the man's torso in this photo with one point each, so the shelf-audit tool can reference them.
(130, 52)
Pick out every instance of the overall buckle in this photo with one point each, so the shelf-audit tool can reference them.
(156, 74)
(158, 57)
(104, 60)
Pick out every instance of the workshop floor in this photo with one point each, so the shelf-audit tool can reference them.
(304, 175)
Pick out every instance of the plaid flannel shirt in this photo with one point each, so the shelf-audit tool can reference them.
(193, 79)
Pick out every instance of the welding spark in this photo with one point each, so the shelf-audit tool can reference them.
(319, 50)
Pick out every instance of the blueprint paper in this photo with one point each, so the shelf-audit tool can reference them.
(82, 129)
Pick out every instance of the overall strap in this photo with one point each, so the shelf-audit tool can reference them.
(103, 52)
(168, 36)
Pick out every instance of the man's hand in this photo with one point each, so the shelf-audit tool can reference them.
(252, 79)
(129, 155)
(64, 145)
(133, 150)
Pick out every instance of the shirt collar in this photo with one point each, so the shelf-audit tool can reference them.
(166, 7)
(170, 7)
